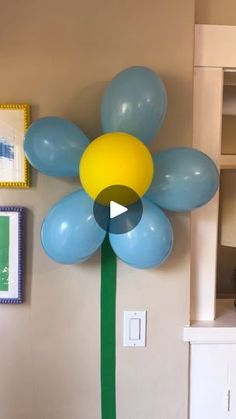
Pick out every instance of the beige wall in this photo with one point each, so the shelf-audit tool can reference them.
(216, 12)
(57, 55)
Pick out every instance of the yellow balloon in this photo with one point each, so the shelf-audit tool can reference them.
(116, 159)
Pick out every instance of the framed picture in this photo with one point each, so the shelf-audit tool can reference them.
(11, 255)
(14, 168)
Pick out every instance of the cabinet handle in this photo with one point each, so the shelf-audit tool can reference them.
(228, 401)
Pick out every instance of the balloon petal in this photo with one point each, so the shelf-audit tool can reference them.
(70, 233)
(134, 102)
(149, 243)
(184, 179)
(54, 146)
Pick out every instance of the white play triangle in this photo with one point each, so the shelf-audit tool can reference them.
(116, 209)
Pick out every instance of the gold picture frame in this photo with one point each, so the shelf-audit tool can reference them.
(14, 167)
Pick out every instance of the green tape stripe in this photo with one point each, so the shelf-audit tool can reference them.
(4, 253)
(108, 331)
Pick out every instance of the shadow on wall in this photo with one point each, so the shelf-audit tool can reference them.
(177, 89)
(180, 249)
(86, 105)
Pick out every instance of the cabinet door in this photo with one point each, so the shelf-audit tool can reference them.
(209, 381)
(232, 379)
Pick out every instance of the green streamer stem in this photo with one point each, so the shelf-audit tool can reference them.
(108, 331)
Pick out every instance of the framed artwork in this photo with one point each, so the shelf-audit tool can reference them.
(14, 168)
(11, 255)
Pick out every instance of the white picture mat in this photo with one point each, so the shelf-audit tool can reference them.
(12, 123)
(13, 255)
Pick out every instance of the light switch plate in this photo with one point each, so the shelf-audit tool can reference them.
(134, 328)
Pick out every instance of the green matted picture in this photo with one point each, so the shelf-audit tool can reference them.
(11, 255)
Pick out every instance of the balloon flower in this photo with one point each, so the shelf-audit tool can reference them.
(177, 179)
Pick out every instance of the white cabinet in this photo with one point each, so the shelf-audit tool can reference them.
(213, 381)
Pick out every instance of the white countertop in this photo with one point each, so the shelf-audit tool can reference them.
(220, 330)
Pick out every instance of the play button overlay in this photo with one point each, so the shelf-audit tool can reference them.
(118, 209)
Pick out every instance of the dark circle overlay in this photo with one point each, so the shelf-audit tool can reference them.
(124, 196)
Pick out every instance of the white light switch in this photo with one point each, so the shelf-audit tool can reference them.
(134, 329)
(134, 333)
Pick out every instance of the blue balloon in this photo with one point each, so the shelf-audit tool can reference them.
(70, 233)
(54, 146)
(135, 102)
(149, 243)
(184, 179)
